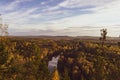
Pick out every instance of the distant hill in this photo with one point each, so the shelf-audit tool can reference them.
(67, 37)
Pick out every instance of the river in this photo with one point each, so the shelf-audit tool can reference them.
(52, 64)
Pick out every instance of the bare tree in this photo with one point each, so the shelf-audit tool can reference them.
(3, 28)
(103, 36)
(119, 42)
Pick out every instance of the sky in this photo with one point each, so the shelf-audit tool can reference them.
(61, 17)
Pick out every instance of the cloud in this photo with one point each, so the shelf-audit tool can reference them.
(103, 16)
(62, 17)
(19, 17)
(80, 3)
(80, 31)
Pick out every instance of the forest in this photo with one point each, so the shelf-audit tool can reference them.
(27, 58)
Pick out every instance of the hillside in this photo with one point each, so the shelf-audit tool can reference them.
(28, 58)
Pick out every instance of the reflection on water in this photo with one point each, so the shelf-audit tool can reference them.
(53, 63)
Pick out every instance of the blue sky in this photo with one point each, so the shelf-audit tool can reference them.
(61, 17)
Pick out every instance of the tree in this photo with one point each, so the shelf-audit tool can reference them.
(119, 42)
(103, 36)
(3, 30)
(66, 75)
(4, 43)
(55, 75)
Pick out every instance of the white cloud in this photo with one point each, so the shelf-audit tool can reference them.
(19, 19)
(80, 3)
(104, 14)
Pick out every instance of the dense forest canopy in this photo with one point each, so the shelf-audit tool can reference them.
(27, 58)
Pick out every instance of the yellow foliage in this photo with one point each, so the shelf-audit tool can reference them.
(11, 55)
(55, 75)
